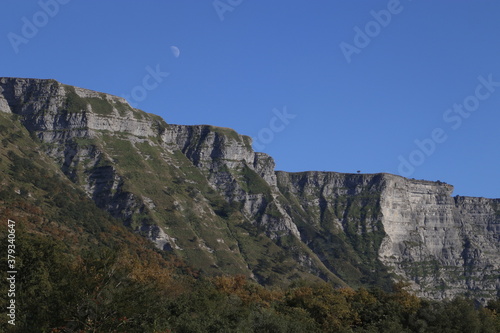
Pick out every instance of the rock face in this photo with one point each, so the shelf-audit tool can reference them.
(203, 193)
(446, 246)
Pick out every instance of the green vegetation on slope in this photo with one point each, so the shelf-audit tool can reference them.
(110, 291)
(81, 270)
(74, 103)
(344, 230)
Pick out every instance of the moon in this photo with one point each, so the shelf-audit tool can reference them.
(175, 51)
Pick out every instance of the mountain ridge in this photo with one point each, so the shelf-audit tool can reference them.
(201, 192)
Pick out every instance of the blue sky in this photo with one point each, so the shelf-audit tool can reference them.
(404, 87)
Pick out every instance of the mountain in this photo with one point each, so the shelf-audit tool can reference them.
(202, 194)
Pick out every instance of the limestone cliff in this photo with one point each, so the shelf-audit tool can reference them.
(446, 246)
(203, 193)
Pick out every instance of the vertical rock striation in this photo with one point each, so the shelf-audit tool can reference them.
(446, 246)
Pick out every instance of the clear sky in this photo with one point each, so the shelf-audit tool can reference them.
(404, 87)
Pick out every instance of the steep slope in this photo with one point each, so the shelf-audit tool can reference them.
(202, 193)
(339, 217)
(132, 165)
(64, 246)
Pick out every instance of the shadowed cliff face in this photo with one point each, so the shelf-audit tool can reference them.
(203, 193)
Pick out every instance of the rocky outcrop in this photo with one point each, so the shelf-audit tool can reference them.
(339, 218)
(446, 246)
(58, 111)
(63, 116)
(4, 106)
(233, 168)
(202, 192)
